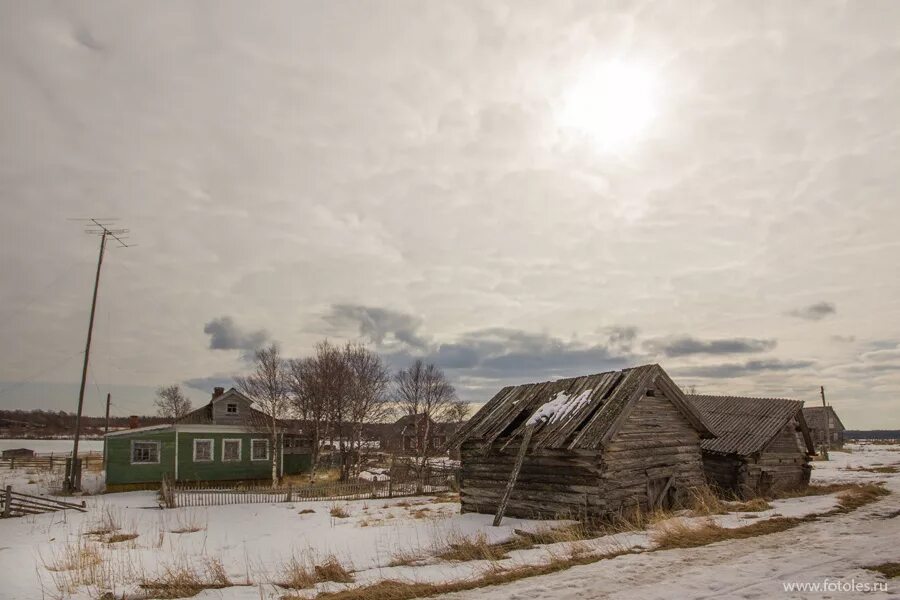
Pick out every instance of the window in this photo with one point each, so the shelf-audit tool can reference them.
(259, 450)
(144, 453)
(203, 450)
(231, 450)
(231, 408)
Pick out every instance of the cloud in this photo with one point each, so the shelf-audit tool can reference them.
(814, 312)
(380, 325)
(225, 334)
(751, 367)
(207, 384)
(686, 345)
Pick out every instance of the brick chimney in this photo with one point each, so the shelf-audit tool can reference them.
(134, 422)
(218, 391)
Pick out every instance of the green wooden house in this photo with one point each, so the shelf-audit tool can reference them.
(225, 440)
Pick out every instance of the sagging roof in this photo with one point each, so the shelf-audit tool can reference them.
(575, 413)
(745, 426)
(815, 417)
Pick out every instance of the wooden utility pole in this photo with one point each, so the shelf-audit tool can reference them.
(106, 427)
(827, 420)
(71, 482)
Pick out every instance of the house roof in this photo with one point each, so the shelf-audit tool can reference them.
(815, 417)
(139, 430)
(746, 425)
(575, 413)
(204, 414)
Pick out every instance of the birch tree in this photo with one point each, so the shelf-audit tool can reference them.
(368, 397)
(267, 386)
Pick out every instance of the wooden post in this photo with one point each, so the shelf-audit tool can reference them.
(827, 435)
(12, 463)
(7, 501)
(523, 449)
(290, 493)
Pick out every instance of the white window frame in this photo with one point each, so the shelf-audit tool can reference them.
(253, 442)
(146, 462)
(212, 450)
(240, 449)
(237, 408)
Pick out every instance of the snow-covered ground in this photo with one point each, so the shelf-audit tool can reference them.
(253, 542)
(54, 446)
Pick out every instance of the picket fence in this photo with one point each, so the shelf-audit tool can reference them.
(183, 494)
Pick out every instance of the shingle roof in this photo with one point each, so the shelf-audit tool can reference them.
(588, 409)
(815, 417)
(745, 425)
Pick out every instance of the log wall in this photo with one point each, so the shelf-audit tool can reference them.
(654, 443)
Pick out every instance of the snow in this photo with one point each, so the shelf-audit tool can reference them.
(253, 541)
(559, 407)
(54, 446)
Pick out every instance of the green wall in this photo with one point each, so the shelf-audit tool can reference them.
(216, 470)
(119, 469)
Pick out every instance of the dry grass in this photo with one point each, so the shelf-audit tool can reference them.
(108, 521)
(302, 573)
(752, 505)
(860, 495)
(883, 470)
(554, 535)
(183, 580)
(703, 501)
(888, 569)
(115, 538)
(406, 558)
(188, 522)
(681, 534)
(338, 512)
(477, 547)
(400, 590)
(76, 556)
(813, 490)
(306, 511)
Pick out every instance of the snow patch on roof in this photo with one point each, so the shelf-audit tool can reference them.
(559, 407)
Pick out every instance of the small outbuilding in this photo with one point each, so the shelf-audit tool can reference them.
(585, 446)
(18, 453)
(761, 445)
(824, 426)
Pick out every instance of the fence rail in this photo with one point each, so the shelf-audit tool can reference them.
(201, 494)
(92, 461)
(15, 504)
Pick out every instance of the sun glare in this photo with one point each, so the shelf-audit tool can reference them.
(612, 104)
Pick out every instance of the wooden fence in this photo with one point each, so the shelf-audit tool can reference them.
(217, 494)
(90, 461)
(14, 504)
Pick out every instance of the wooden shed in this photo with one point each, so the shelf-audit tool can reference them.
(825, 427)
(18, 453)
(586, 446)
(762, 444)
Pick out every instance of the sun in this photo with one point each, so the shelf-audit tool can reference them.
(613, 104)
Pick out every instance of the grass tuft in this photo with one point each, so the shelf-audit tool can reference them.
(303, 573)
(888, 569)
(339, 512)
(680, 534)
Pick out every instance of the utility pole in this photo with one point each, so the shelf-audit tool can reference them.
(72, 482)
(827, 420)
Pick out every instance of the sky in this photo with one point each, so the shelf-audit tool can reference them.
(514, 191)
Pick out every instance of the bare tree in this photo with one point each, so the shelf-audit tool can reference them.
(312, 382)
(267, 387)
(424, 390)
(369, 400)
(458, 412)
(171, 403)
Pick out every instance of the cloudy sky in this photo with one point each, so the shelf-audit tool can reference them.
(516, 192)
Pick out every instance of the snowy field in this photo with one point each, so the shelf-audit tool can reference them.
(401, 539)
(54, 446)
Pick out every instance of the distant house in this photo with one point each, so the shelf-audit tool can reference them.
(226, 439)
(824, 425)
(406, 436)
(762, 444)
(18, 453)
(586, 446)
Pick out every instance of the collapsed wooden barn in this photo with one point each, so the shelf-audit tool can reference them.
(585, 446)
(762, 444)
